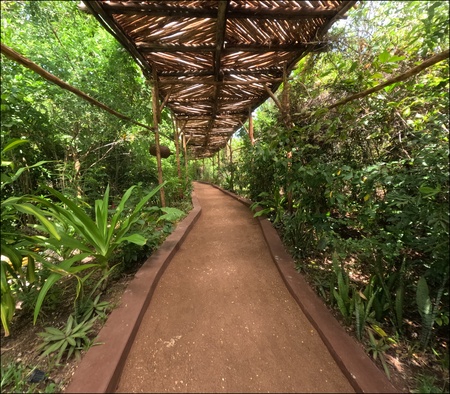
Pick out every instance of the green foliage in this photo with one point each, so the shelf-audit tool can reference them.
(366, 184)
(14, 379)
(273, 206)
(379, 346)
(343, 294)
(427, 310)
(71, 339)
(171, 214)
(98, 238)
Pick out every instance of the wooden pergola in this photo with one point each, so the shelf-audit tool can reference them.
(212, 62)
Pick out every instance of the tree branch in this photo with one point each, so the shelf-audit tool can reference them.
(402, 77)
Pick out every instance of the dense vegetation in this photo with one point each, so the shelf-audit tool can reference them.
(79, 187)
(360, 192)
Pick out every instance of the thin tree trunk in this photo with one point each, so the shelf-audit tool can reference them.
(156, 118)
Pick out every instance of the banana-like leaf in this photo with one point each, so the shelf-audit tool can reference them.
(66, 241)
(62, 269)
(81, 221)
(12, 254)
(40, 215)
(125, 226)
(7, 302)
(31, 270)
(101, 213)
(119, 211)
(12, 144)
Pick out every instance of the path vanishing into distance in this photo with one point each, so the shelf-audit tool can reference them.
(222, 320)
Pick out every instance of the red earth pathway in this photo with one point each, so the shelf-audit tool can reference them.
(222, 320)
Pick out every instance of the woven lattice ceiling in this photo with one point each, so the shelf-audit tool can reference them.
(213, 61)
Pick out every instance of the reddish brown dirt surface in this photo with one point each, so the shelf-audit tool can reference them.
(222, 320)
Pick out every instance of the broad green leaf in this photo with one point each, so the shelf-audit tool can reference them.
(81, 221)
(40, 215)
(137, 239)
(61, 269)
(423, 298)
(101, 213)
(12, 144)
(384, 57)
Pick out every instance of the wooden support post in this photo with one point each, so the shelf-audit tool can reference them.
(176, 135)
(186, 159)
(250, 127)
(156, 117)
(231, 166)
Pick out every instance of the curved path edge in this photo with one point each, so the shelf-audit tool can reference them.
(362, 373)
(100, 369)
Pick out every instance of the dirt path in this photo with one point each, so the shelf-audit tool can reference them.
(222, 320)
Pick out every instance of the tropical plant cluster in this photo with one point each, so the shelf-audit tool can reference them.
(360, 192)
(80, 203)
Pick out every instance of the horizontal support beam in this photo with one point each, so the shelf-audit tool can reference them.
(222, 83)
(146, 47)
(277, 71)
(158, 10)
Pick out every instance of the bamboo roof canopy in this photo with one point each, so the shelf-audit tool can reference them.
(215, 61)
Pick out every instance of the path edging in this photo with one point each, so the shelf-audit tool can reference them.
(361, 372)
(101, 367)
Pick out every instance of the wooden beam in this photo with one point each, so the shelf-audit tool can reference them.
(17, 57)
(158, 10)
(146, 47)
(291, 47)
(223, 82)
(177, 131)
(186, 159)
(274, 98)
(402, 77)
(220, 39)
(250, 127)
(166, 98)
(277, 71)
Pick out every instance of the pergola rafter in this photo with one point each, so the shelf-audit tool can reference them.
(213, 61)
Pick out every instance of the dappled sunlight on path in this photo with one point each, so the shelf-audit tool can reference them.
(222, 320)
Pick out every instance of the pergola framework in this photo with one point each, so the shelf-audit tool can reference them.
(214, 61)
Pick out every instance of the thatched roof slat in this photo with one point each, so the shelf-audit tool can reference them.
(212, 59)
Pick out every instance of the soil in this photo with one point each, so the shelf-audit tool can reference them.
(20, 347)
